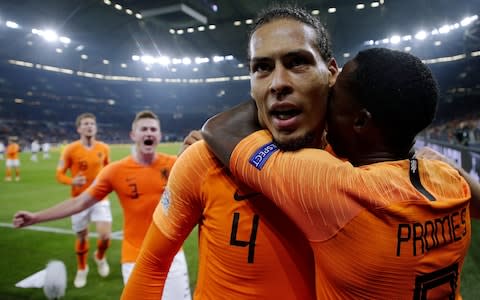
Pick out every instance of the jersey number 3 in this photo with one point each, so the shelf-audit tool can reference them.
(253, 236)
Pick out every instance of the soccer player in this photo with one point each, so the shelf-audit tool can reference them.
(34, 148)
(13, 160)
(382, 225)
(2, 150)
(84, 159)
(245, 253)
(139, 181)
(46, 150)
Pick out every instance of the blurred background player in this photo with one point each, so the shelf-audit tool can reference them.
(84, 159)
(139, 181)
(2, 150)
(13, 159)
(34, 148)
(46, 150)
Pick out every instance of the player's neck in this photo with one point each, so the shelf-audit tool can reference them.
(144, 158)
(87, 141)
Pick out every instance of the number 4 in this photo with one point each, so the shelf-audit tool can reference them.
(253, 236)
(429, 281)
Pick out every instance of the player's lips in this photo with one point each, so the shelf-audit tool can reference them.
(285, 116)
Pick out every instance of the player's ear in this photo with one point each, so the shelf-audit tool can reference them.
(132, 135)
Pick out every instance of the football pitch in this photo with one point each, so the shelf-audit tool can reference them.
(26, 251)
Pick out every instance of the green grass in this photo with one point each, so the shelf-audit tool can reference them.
(24, 252)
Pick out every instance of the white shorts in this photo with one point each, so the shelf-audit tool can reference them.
(13, 163)
(177, 285)
(99, 212)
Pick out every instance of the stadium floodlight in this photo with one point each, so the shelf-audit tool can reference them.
(11, 24)
(212, 27)
(138, 16)
(135, 57)
(406, 37)
(382, 2)
(186, 61)
(164, 60)
(315, 12)
(123, 65)
(80, 48)
(118, 7)
(395, 39)
(360, 6)
(369, 43)
(385, 41)
(437, 43)
(421, 35)
(173, 69)
(179, 31)
(50, 35)
(65, 40)
(407, 49)
(111, 102)
(217, 58)
(375, 4)
(176, 61)
(195, 69)
(444, 29)
(84, 56)
(240, 65)
(107, 2)
(331, 10)
(129, 11)
(201, 28)
(435, 31)
(377, 42)
(172, 31)
(237, 23)
(248, 21)
(148, 59)
(201, 60)
(59, 50)
(467, 21)
(105, 61)
(190, 30)
(229, 57)
(346, 54)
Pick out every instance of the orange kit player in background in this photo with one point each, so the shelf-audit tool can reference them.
(139, 181)
(384, 224)
(245, 253)
(13, 160)
(85, 158)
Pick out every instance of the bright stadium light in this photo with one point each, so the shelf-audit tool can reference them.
(180, 31)
(248, 21)
(186, 61)
(138, 16)
(237, 23)
(135, 57)
(437, 43)
(164, 60)
(218, 58)
(65, 40)
(106, 61)
(406, 37)
(172, 31)
(315, 12)
(331, 10)
(176, 61)
(118, 6)
(360, 6)
(84, 56)
(395, 39)
(11, 24)
(408, 49)
(107, 2)
(229, 57)
(123, 65)
(212, 27)
(444, 29)
(201, 28)
(421, 35)
(374, 4)
(148, 59)
(190, 30)
(80, 48)
(369, 43)
(58, 50)
(129, 11)
(346, 55)
(50, 35)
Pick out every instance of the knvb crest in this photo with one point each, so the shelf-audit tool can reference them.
(165, 201)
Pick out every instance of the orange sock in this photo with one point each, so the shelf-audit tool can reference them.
(8, 172)
(81, 247)
(102, 246)
(17, 172)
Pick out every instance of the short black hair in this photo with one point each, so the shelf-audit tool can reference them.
(399, 91)
(301, 15)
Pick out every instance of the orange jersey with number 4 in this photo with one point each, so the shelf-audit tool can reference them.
(374, 232)
(243, 253)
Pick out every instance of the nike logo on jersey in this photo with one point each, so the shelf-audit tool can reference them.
(239, 197)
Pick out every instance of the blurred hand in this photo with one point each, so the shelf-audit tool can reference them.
(79, 180)
(192, 137)
(23, 218)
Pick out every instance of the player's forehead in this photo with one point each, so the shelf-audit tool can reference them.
(147, 123)
(87, 120)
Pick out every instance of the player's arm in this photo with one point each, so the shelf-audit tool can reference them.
(64, 164)
(61, 210)
(429, 153)
(225, 130)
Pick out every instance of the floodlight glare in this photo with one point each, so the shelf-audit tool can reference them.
(374, 4)
(65, 40)
(180, 31)
(395, 39)
(195, 69)
(176, 61)
(138, 16)
(331, 10)
(237, 23)
(84, 56)
(212, 27)
(107, 2)
(346, 55)
(58, 50)
(186, 61)
(190, 30)
(106, 61)
(421, 35)
(218, 59)
(437, 43)
(164, 60)
(315, 12)
(407, 49)
(406, 37)
(229, 57)
(135, 57)
(80, 48)
(360, 6)
(248, 21)
(50, 35)
(11, 24)
(201, 28)
(148, 59)
(123, 65)
(129, 11)
(172, 31)
(444, 29)
(118, 6)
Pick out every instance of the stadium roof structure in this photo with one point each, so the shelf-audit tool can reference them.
(102, 35)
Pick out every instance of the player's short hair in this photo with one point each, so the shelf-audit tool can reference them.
(298, 14)
(398, 90)
(13, 139)
(145, 114)
(84, 116)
